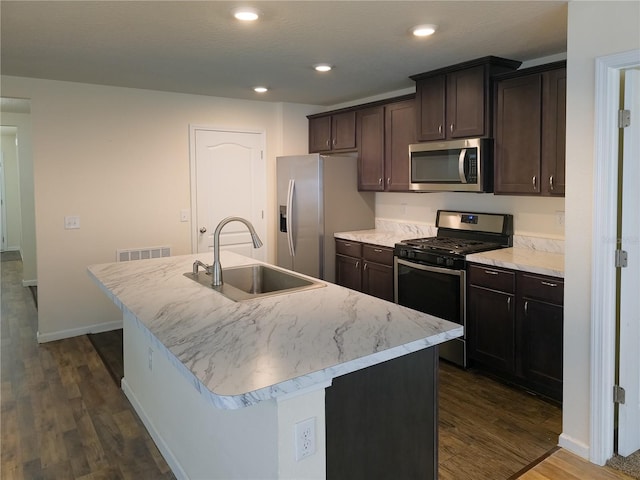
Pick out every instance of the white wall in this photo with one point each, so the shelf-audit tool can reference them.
(119, 159)
(617, 31)
(11, 187)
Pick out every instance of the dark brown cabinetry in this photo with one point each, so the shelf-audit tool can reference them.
(515, 327)
(530, 130)
(456, 102)
(366, 268)
(492, 317)
(332, 132)
(540, 328)
(384, 133)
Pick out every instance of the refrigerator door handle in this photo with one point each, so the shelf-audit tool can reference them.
(292, 184)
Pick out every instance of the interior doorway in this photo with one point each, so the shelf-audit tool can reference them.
(603, 277)
(228, 178)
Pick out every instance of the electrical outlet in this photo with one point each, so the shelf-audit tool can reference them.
(305, 432)
(71, 222)
(560, 217)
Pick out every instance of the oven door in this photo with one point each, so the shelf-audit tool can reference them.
(437, 291)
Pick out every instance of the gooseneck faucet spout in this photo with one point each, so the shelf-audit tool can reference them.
(216, 268)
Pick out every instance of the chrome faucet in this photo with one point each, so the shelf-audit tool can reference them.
(216, 268)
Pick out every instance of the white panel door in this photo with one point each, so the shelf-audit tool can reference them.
(629, 412)
(230, 180)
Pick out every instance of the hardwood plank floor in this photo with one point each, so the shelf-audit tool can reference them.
(564, 465)
(62, 416)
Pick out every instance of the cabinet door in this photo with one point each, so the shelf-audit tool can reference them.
(370, 148)
(541, 334)
(400, 132)
(377, 280)
(343, 131)
(517, 136)
(466, 103)
(348, 272)
(491, 328)
(430, 98)
(554, 95)
(320, 134)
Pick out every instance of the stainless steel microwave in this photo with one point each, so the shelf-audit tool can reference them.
(452, 166)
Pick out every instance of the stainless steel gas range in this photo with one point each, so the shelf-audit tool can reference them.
(430, 273)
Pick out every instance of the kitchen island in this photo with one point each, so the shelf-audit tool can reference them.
(221, 385)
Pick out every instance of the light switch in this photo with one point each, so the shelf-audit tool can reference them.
(184, 215)
(71, 222)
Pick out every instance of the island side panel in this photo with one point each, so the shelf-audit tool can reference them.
(381, 422)
(197, 439)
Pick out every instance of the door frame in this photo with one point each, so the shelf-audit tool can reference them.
(604, 233)
(193, 178)
(3, 207)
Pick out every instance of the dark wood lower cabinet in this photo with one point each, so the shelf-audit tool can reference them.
(366, 268)
(382, 421)
(515, 327)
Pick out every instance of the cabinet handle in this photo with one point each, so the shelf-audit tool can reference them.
(365, 266)
(534, 181)
(347, 244)
(389, 181)
(548, 284)
(380, 181)
(509, 303)
(357, 264)
(551, 182)
(377, 250)
(440, 129)
(451, 127)
(526, 307)
(490, 272)
(328, 142)
(334, 142)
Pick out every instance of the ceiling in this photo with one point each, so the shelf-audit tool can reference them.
(197, 47)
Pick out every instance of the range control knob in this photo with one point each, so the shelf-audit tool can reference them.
(440, 260)
(449, 262)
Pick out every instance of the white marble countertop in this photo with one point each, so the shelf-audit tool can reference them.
(382, 238)
(525, 259)
(247, 352)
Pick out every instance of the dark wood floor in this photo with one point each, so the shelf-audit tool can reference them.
(63, 416)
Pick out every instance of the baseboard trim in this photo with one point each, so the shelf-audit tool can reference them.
(165, 451)
(574, 446)
(76, 332)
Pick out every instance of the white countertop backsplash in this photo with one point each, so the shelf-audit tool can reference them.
(533, 254)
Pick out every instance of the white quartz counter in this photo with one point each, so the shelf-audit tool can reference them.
(247, 352)
(525, 259)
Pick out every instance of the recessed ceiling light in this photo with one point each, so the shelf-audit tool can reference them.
(323, 67)
(246, 14)
(424, 30)
(260, 89)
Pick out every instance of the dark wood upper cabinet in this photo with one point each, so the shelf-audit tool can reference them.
(384, 133)
(530, 125)
(332, 132)
(456, 102)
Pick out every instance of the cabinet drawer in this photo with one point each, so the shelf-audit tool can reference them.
(349, 248)
(547, 289)
(493, 278)
(378, 254)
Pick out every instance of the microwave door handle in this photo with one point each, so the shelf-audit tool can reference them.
(463, 154)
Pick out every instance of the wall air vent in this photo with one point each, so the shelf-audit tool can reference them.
(125, 255)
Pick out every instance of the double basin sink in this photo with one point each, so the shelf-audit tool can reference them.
(248, 282)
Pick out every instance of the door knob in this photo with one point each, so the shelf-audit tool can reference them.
(203, 229)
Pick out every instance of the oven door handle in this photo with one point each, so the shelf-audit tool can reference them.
(429, 268)
(463, 155)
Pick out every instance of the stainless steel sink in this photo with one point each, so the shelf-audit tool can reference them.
(256, 281)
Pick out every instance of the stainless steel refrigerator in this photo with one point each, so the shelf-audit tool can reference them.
(318, 196)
